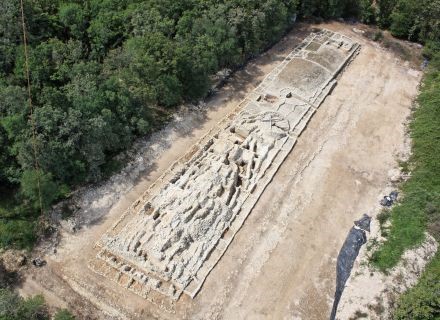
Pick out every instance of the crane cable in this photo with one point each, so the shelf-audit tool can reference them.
(31, 109)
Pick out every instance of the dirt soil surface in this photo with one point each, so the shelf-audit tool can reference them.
(281, 264)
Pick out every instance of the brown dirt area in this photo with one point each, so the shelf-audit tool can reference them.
(281, 264)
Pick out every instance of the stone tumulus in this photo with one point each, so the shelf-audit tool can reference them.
(169, 240)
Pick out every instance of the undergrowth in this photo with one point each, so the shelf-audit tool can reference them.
(17, 222)
(419, 209)
(423, 301)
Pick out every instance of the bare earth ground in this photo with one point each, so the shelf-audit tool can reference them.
(281, 264)
(375, 293)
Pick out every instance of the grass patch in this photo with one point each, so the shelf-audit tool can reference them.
(422, 302)
(383, 217)
(404, 166)
(419, 209)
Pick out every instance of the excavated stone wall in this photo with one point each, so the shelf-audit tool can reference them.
(169, 240)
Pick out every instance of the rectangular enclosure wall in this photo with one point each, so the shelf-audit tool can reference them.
(169, 240)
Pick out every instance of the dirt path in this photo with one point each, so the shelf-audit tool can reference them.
(281, 263)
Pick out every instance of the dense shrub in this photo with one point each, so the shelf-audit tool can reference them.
(63, 315)
(423, 301)
(13, 307)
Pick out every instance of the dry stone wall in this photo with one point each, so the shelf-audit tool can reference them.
(170, 239)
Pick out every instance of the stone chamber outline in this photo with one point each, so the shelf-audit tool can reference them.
(168, 241)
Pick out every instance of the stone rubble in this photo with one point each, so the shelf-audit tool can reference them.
(169, 240)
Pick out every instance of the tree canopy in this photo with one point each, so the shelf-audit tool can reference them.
(99, 70)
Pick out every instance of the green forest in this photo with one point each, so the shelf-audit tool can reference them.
(105, 72)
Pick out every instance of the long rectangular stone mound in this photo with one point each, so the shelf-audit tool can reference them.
(169, 240)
